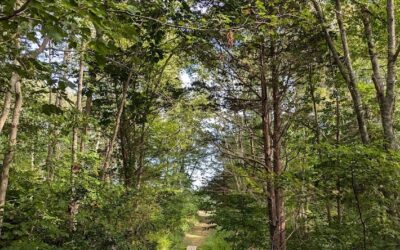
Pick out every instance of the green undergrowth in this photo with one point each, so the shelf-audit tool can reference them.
(216, 240)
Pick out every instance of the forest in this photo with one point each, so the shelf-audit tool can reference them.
(199, 124)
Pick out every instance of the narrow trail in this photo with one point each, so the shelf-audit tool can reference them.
(199, 232)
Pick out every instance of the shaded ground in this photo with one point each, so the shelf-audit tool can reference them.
(199, 232)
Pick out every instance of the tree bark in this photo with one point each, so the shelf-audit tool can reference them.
(127, 151)
(359, 209)
(337, 143)
(346, 69)
(280, 232)
(387, 116)
(385, 100)
(265, 106)
(12, 143)
(139, 170)
(272, 159)
(88, 110)
(53, 146)
(75, 165)
(7, 101)
(9, 155)
(352, 84)
(110, 146)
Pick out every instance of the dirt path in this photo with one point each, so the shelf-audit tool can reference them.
(199, 232)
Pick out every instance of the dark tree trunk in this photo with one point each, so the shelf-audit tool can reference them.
(280, 231)
(110, 146)
(140, 168)
(272, 153)
(128, 152)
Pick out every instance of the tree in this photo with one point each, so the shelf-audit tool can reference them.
(121, 119)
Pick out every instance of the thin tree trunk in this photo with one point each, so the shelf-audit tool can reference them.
(387, 117)
(317, 133)
(7, 101)
(73, 205)
(272, 159)
(346, 69)
(110, 146)
(385, 101)
(126, 151)
(359, 210)
(33, 156)
(12, 143)
(338, 185)
(6, 108)
(280, 233)
(267, 147)
(9, 155)
(49, 159)
(125, 158)
(352, 76)
(53, 146)
(88, 110)
(139, 171)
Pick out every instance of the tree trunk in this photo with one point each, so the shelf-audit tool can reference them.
(337, 135)
(12, 143)
(88, 110)
(387, 116)
(267, 150)
(317, 132)
(110, 146)
(280, 230)
(385, 100)
(272, 160)
(127, 152)
(352, 83)
(359, 209)
(7, 101)
(75, 165)
(53, 146)
(139, 171)
(346, 69)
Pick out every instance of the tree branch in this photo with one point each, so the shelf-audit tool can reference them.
(396, 54)
(377, 78)
(16, 12)
(40, 49)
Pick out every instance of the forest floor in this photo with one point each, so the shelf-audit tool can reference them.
(199, 232)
